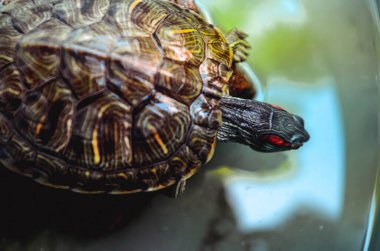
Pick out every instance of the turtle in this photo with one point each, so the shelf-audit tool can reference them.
(125, 96)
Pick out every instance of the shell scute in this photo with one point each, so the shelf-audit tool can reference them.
(80, 13)
(147, 15)
(26, 15)
(122, 181)
(6, 131)
(45, 117)
(209, 70)
(205, 112)
(83, 63)
(101, 136)
(111, 96)
(49, 170)
(181, 82)
(8, 39)
(202, 141)
(85, 181)
(135, 18)
(160, 128)
(220, 52)
(50, 2)
(216, 88)
(211, 34)
(194, 19)
(156, 177)
(38, 52)
(105, 31)
(180, 41)
(132, 69)
(11, 89)
(140, 179)
(184, 163)
(18, 155)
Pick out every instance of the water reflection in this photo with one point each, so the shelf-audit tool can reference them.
(314, 181)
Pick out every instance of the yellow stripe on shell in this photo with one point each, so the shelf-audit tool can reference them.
(133, 5)
(183, 31)
(40, 124)
(158, 139)
(10, 90)
(95, 146)
(95, 142)
(122, 175)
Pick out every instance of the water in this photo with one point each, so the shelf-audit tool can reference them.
(318, 59)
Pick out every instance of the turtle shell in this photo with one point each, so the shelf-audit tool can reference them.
(114, 96)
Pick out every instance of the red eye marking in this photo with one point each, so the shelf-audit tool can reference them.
(278, 107)
(275, 140)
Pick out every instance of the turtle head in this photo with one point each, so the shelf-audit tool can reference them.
(263, 127)
(284, 131)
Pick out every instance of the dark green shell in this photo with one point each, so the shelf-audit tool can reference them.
(113, 96)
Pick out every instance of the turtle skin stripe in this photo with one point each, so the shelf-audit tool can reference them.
(109, 96)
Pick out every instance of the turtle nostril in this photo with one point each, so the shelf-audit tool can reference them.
(299, 120)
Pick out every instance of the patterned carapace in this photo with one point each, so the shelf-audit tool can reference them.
(113, 96)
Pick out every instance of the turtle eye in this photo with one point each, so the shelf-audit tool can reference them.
(275, 140)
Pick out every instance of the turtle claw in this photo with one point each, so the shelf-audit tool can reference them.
(240, 55)
(176, 190)
(236, 39)
(179, 188)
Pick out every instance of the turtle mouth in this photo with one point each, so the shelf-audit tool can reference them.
(297, 145)
(299, 139)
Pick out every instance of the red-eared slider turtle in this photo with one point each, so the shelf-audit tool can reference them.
(123, 96)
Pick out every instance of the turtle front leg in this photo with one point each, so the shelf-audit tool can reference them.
(187, 4)
(236, 39)
(176, 190)
(240, 84)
